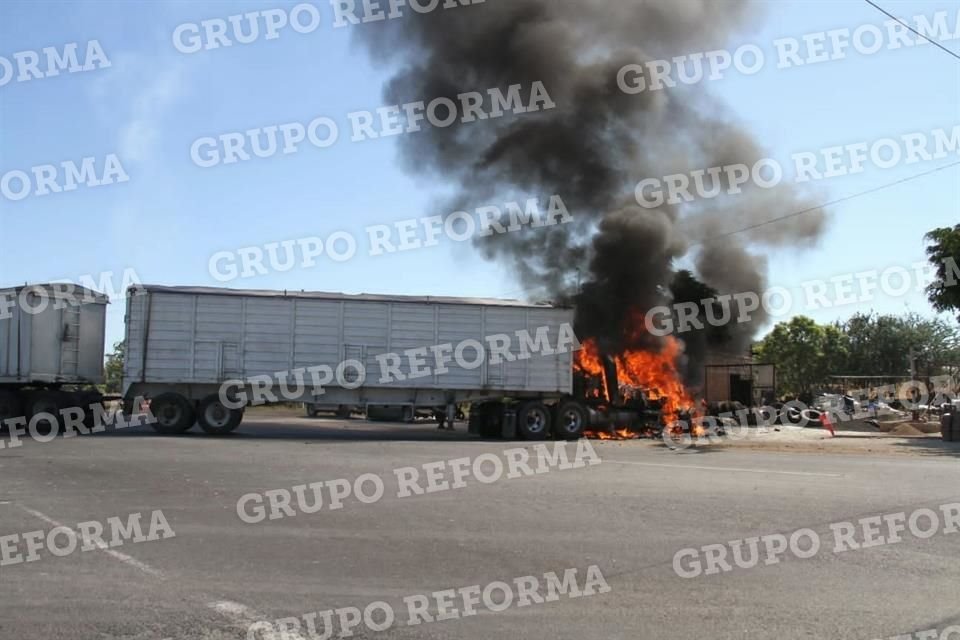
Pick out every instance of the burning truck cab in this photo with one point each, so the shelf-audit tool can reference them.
(631, 395)
(628, 396)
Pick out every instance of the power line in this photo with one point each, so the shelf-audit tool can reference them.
(837, 201)
(808, 210)
(884, 11)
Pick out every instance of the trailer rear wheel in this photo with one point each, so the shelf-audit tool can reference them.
(48, 403)
(9, 406)
(533, 421)
(173, 413)
(87, 402)
(215, 418)
(572, 418)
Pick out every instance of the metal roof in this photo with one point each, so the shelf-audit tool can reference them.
(324, 295)
(59, 290)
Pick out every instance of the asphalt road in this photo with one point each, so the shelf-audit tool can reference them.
(628, 516)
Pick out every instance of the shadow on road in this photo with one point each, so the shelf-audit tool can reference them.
(309, 433)
(931, 447)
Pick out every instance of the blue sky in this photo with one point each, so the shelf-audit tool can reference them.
(168, 220)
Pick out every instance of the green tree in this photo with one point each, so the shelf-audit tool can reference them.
(935, 343)
(883, 344)
(113, 368)
(944, 254)
(805, 353)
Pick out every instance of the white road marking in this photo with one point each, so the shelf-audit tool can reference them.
(737, 469)
(122, 557)
(237, 613)
(242, 615)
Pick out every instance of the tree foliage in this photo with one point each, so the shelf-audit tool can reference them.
(944, 254)
(801, 349)
(113, 368)
(807, 354)
(882, 345)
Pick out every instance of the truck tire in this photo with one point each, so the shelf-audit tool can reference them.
(811, 417)
(87, 402)
(343, 412)
(215, 418)
(571, 420)
(533, 421)
(10, 407)
(947, 432)
(173, 413)
(45, 402)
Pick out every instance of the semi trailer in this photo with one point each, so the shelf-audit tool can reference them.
(51, 349)
(202, 356)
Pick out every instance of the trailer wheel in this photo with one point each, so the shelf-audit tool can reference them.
(87, 402)
(9, 406)
(572, 418)
(173, 414)
(215, 418)
(45, 402)
(533, 421)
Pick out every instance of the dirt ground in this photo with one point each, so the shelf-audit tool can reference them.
(854, 437)
(897, 441)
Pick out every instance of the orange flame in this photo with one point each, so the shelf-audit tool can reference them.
(587, 361)
(618, 434)
(654, 373)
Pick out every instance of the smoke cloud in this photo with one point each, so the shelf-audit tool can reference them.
(593, 149)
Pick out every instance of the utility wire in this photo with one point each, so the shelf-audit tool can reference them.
(837, 201)
(884, 11)
(808, 210)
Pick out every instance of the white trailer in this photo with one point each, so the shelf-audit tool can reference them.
(51, 347)
(193, 351)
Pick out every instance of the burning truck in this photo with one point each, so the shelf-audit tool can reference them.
(201, 356)
(633, 394)
(595, 144)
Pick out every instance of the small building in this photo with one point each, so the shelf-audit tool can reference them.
(739, 378)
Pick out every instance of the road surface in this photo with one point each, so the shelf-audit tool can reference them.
(628, 516)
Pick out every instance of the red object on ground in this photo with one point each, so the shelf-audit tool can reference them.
(826, 424)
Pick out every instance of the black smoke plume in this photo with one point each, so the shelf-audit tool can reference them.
(592, 149)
